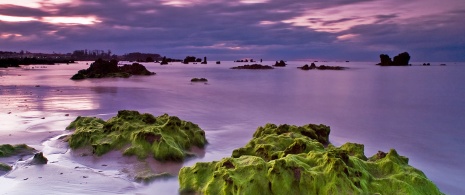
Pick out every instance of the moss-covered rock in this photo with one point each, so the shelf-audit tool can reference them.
(4, 167)
(7, 150)
(283, 159)
(165, 137)
(148, 176)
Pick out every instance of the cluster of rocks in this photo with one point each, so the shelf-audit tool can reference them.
(400, 60)
(253, 67)
(321, 67)
(193, 59)
(247, 60)
(103, 69)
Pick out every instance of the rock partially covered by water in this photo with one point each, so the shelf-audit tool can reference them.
(253, 67)
(7, 150)
(400, 60)
(166, 138)
(102, 69)
(286, 158)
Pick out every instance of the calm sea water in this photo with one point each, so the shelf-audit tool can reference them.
(419, 111)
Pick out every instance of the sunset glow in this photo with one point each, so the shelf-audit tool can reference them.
(298, 28)
(71, 20)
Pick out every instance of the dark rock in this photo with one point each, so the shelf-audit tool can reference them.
(199, 80)
(280, 63)
(189, 59)
(400, 60)
(218, 62)
(253, 66)
(204, 60)
(39, 159)
(102, 69)
(164, 61)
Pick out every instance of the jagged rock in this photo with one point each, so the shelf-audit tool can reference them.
(218, 62)
(166, 138)
(102, 69)
(287, 158)
(204, 60)
(253, 66)
(400, 60)
(280, 63)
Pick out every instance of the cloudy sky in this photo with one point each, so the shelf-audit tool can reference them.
(430, 30)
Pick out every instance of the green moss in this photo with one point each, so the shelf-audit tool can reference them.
(283, 159)
(164, 137)
(148, 176)
(8, 150)
(4, 167)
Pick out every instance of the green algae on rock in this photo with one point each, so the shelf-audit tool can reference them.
(7, 150)
(286, 158)
(165, 137)
(4, 167)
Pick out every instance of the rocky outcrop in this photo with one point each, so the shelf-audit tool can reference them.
(164, 61)
(253, 67)
(204, 60)
(321, 67)
(190, 59)
(299, 159)
(166, 138)
(103, 69)
(199, 80)
(400, 60)
(280, 63)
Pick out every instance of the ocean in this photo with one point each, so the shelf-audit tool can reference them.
(417, 110)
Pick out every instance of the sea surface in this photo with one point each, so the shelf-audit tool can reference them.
(417, 110)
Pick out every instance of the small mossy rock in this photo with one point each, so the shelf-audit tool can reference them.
(148, 176)
(7, 150)
(164, 137)
(4, 167)
(282, 160)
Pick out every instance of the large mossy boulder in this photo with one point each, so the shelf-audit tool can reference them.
(299, 160)
(164, 137)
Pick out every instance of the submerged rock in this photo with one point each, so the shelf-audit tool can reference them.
(165, 137)
(286, 158)
(103, 69)
(253, 67)
(8, 150)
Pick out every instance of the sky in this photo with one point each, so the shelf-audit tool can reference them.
(356, 30)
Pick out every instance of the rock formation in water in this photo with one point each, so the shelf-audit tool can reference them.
(164, 61)
(189, 59)
(103, 69)
(199, 80)
(253, 67)
(400, 60)
(299, 159)
(38, 159)
(204, 60)
(321, 67)
(166, 138)
(280, 63)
